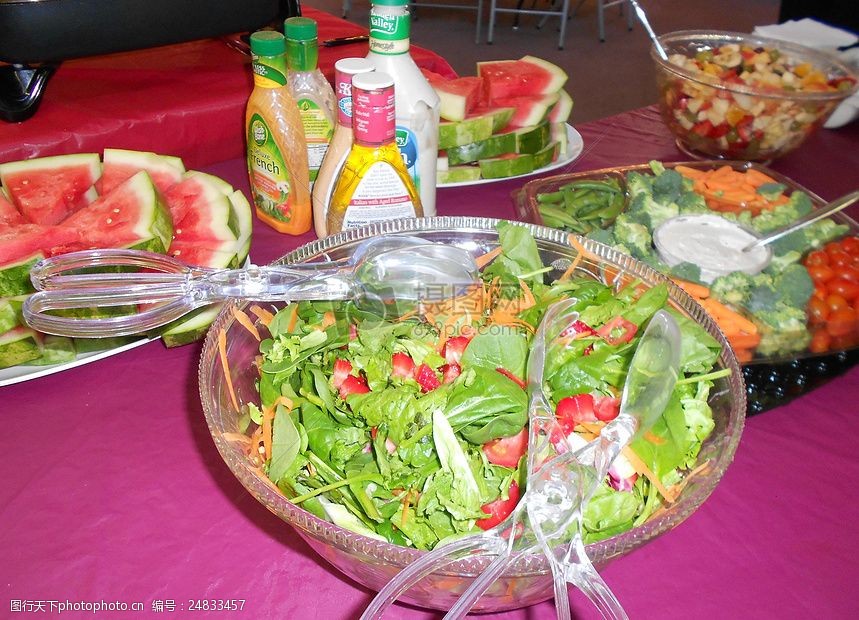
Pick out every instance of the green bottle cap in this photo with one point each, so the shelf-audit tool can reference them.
(391, 2)
(300, 28)
(267, 43)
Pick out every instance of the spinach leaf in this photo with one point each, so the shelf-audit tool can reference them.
(285, 444)
(698, 349)
(462, 495)
(519, 256)
(505, 350)
(487, 407)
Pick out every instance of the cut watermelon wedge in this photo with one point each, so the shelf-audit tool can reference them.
(133, 215)
(9, 215)
(244, 216)
(120, 165)
(561, 111)
(458, 97)
(528, 76)
(46, 190)
(529, 110)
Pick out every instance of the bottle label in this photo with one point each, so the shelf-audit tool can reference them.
(318, 131)
(407, 142)
(269, 71)
(381, 195)
(344, 99)
(389, 34)
(373, 115)
(271, 184)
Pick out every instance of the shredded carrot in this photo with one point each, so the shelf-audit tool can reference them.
(726, 189)
(595, 428)
(246, 322)
(265, 317)
(267, 417)
(293, 318)
(408, 315)
(283, 400)
(328, 319)
(744, 341)
(653, 438)
(691, 173)
(237, 437)
(727, 315)
(222, 351)
(677, 488)
(695, 290)
(485, 259)
(529, 296)
(645, 471)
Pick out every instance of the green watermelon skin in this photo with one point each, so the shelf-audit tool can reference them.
(120, 165)
(19, 345)
(528, 76)
(133, 215)
(47, 189)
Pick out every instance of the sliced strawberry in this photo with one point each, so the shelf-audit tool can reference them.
(606, 408)
(373, 432)
(449, 372)
(353, 385)
(403, 365)
(578, 327)
(425, 376)
(454, 348)
(511, 376)
(342, 369)
(573, 410)
(353, 331)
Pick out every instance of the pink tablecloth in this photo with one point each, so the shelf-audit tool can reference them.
(113, 491)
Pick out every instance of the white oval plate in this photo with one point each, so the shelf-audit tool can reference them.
(575, 146)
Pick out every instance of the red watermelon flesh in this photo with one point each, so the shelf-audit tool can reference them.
(26, 240)
(120, 165)
(433, 77)
(192, 253)
(458, 97)
(48, 189)
(202, 214)
(528, 76)
(529, 110)
(131, 214)
(9, 215)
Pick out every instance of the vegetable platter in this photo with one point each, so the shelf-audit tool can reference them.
(794, 324)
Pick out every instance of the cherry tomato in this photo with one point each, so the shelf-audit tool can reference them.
(820, 292)
(821, 273)
(818, 311)
(499, 509)
(836, 302)
(840, 258)
(820, 341)
(850, 245)
(850, 272)
(817, 257)
(848, 289)
(842, 322)
(506, 451)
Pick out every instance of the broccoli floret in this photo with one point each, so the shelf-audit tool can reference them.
(822, 232)
(687, 271)
(771, 191)
(657, 166)
(795, 286)
(692, 202)
(783, 330)
(779, 216)
(793, 243)
(801, 203)
(744, 218)
(603, 236)
(637, 183)
(634, 236)
(763, 295)
(668, 186)
(781, 261)
(732, 288)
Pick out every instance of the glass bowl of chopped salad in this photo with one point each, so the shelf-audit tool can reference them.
(740, 96)
(325, 410)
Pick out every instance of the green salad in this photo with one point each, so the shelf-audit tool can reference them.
(413, 430)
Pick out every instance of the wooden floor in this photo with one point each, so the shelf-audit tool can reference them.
(604, 78)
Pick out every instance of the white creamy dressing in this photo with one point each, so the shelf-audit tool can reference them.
(711, 242)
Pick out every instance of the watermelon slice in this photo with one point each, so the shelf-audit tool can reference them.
(458, 97)
(529, 110)
(18, 345)
(500, 116)
(459, 174)
(560, 113)
(120, 165)
(205, 222)
(493, 146)
(244, 216)
(22, 246)
(472, 129)
(46, 190)
(558, 133)
(133, 215)
(506, 166)
(528, 76)
(9, 215)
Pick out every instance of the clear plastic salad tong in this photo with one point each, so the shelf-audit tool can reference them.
(387, 268)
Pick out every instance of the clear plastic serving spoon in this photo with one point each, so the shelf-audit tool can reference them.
(392, 268)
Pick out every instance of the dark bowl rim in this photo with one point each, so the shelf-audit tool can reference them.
(813, 55)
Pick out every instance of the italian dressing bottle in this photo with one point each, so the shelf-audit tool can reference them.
(417, 102)
(341, 142)
(277, 150)
(310, 89)
(374, 184)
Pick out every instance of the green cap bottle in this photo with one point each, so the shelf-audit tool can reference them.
(302, 47)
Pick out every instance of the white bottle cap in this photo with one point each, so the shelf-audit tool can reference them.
(354, 66)
(372, 81)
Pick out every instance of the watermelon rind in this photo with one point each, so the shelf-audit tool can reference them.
(501, 117)
(50, 200)
(91, 345)
(502, 167)
(10, 315)
(562, 110)
(459, 174)
(15, 277)
(190, 328)
(199, 200)
(457, 97)
(165, 170)
(493, 146)
(532, 139)
(528, 76)
(18, 345)
(530, 110)
(226, 188)
(467, 131)
(546, 156)
(54, 350)
(558, 132)
(244, 216)
(441, 162)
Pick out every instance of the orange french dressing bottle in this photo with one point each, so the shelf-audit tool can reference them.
(277, 149)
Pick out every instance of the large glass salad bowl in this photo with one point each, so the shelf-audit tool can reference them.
(373, 562)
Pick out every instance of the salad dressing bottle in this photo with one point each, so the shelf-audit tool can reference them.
(417, 102)
(341, 142)
(277, 150)
(310, 89)
(374, 184)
